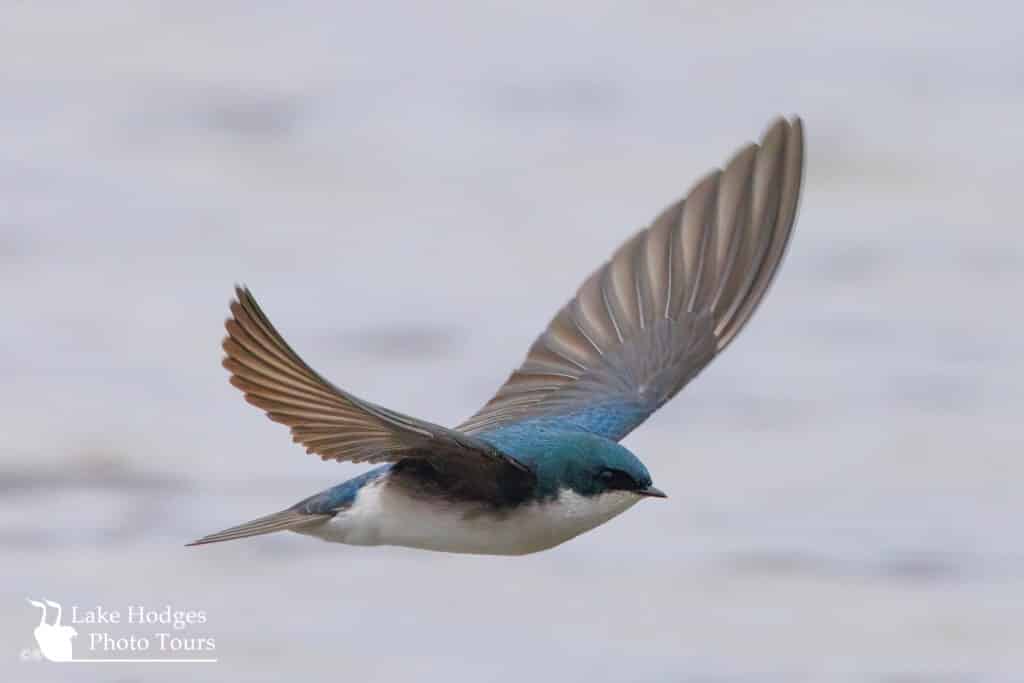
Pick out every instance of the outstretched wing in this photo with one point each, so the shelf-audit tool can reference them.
(667, 302)
(339, 426)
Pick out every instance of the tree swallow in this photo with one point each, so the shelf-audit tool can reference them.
(540, 463)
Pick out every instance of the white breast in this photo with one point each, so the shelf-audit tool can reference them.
(383, 515)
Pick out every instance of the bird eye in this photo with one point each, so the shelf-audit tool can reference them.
(617, 479)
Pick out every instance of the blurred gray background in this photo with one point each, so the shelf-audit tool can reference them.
(412, 192)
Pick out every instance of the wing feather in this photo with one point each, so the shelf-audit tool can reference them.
(336, 425)
(669, 300)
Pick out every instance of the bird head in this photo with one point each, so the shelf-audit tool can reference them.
(611, 467)
(590, 466)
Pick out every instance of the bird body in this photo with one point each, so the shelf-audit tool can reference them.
(540, 463)
(405, 506)
(386, 513)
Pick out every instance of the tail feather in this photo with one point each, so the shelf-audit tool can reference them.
(279, 521)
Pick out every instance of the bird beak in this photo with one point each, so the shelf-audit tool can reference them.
(652, 492)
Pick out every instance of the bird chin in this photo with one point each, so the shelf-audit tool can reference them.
(617, 502)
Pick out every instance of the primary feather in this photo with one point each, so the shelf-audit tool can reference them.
(669, 300)
(337, 425)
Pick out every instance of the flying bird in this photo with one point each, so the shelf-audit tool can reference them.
(541, 462)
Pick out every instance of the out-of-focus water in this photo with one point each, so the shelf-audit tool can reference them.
(411, 192)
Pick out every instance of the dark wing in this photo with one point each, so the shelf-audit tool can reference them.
(669, 301)
(339, 426)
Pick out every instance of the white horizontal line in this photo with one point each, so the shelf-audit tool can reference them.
(141, 661)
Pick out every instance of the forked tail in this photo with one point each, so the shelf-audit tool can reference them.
(279, 521)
